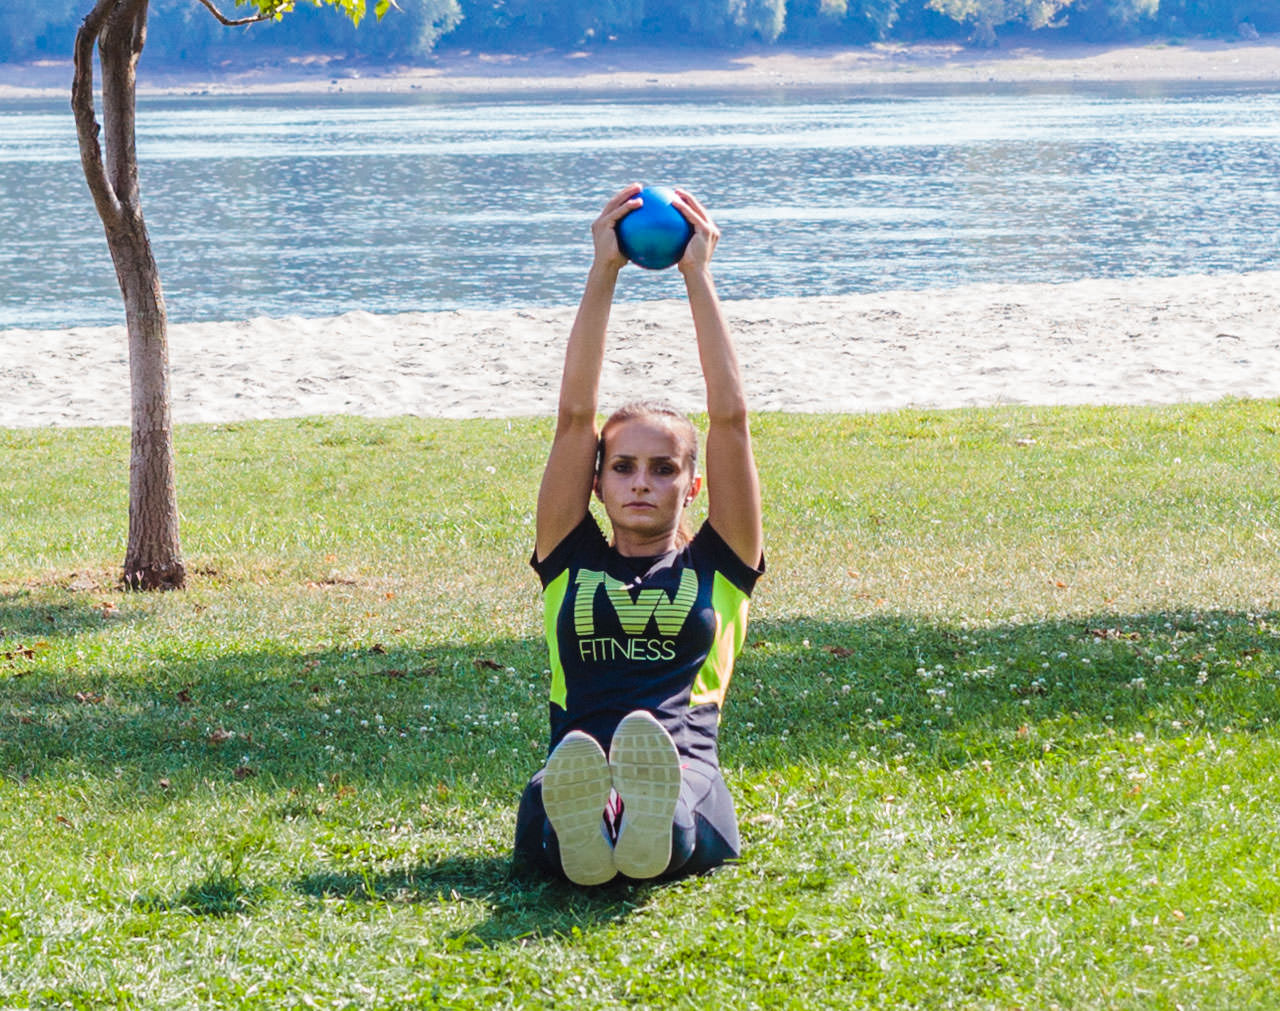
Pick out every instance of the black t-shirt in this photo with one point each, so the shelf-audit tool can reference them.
(659, 634)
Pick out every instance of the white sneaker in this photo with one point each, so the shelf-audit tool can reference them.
(575, 789)
(646, 774)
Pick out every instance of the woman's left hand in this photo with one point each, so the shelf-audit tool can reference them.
(705, 231)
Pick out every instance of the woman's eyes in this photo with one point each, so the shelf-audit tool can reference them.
(624, 467)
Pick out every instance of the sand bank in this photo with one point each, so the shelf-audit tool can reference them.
(1025, 60)
(1138, 341)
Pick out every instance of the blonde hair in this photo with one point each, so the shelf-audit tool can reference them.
(681, 427)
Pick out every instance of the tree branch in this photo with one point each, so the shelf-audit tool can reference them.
(120, 46)
(86, 116)
(233, 22)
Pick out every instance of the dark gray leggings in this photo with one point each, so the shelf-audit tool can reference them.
(704, 832)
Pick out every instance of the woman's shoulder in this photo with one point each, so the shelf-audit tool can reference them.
(586, 540)
(710, 549)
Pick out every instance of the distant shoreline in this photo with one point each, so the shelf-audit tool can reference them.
(1024, 60)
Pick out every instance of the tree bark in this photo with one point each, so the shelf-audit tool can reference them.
(153, 555)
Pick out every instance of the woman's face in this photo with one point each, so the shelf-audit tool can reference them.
(646, 481)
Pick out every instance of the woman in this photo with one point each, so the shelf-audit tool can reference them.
(643, 629)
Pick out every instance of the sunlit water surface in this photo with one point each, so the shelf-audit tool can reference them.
(316, 206)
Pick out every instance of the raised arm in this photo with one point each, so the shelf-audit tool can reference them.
(565, 493)
(733, 486)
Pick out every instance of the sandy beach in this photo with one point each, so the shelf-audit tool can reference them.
(1025, 59)
(1141, 341)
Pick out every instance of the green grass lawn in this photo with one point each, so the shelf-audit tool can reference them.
(1004, 734)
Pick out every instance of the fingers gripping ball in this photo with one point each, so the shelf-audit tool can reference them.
(654, 235)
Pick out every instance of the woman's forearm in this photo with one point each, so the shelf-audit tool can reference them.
(726, 400)
(584, 354)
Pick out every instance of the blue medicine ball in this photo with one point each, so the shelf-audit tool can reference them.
(654, 235)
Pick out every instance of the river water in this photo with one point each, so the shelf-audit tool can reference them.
(316, 206)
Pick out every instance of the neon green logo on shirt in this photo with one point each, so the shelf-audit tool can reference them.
(651, 605)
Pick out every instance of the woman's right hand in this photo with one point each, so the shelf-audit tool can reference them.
(604, 230)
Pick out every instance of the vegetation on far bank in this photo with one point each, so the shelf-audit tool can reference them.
(183, 32)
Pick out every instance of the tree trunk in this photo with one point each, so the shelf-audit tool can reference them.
(153, 556)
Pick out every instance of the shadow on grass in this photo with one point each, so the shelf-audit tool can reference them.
(23, 617)
(432, 722)
(443, 737)
(520, 906)
(947, 694)
(217, 894)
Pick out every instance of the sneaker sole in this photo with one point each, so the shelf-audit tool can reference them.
(646, 774)
(575, 789)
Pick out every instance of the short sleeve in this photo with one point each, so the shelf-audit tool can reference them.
(724, 560)
(585, 537)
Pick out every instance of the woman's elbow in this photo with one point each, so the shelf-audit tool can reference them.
(732, 416)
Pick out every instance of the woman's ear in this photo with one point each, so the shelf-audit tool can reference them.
(595, 487)
(694, 488)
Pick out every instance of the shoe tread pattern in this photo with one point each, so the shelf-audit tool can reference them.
(646, 774)
(575, 789)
